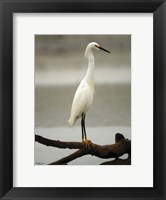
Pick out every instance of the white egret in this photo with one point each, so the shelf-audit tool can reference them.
(83, 98)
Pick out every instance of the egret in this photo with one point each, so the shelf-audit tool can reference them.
(83, 98)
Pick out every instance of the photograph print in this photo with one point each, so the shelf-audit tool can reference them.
(82, 100)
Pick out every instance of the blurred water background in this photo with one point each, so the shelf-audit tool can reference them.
(59, 67)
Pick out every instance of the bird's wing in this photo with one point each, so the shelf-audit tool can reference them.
(82, 100)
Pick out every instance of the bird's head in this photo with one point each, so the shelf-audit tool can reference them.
(93, 46)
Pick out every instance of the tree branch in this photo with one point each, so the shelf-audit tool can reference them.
(69, 158)
(118, 161)
(116, 150)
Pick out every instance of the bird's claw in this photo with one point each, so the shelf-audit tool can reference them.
(87, 143)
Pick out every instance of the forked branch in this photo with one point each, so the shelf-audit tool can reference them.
(121, 147)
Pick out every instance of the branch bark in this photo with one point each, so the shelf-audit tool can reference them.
(69, 158)
(116, 150)
(118, 161)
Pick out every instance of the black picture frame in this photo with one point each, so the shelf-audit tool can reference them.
(7, 8)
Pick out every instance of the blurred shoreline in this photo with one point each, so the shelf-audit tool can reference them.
(112, 106)
(64, 77)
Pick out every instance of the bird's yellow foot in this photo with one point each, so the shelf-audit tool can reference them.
(87, 143)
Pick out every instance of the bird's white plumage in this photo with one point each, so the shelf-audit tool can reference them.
(83, 98)
(82, 101)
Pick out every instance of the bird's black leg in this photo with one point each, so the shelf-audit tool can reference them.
(82, 126)
(85, 140)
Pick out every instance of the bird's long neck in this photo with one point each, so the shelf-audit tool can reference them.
(90, 72)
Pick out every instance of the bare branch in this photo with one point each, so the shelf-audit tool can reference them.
(116, 150)
(69, 158)
(118, 161)
(58, 143)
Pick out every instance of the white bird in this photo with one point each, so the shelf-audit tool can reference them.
(83, 98)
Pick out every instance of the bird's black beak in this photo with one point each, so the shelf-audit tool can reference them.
(103, 49)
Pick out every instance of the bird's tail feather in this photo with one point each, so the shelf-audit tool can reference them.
(71, 121)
